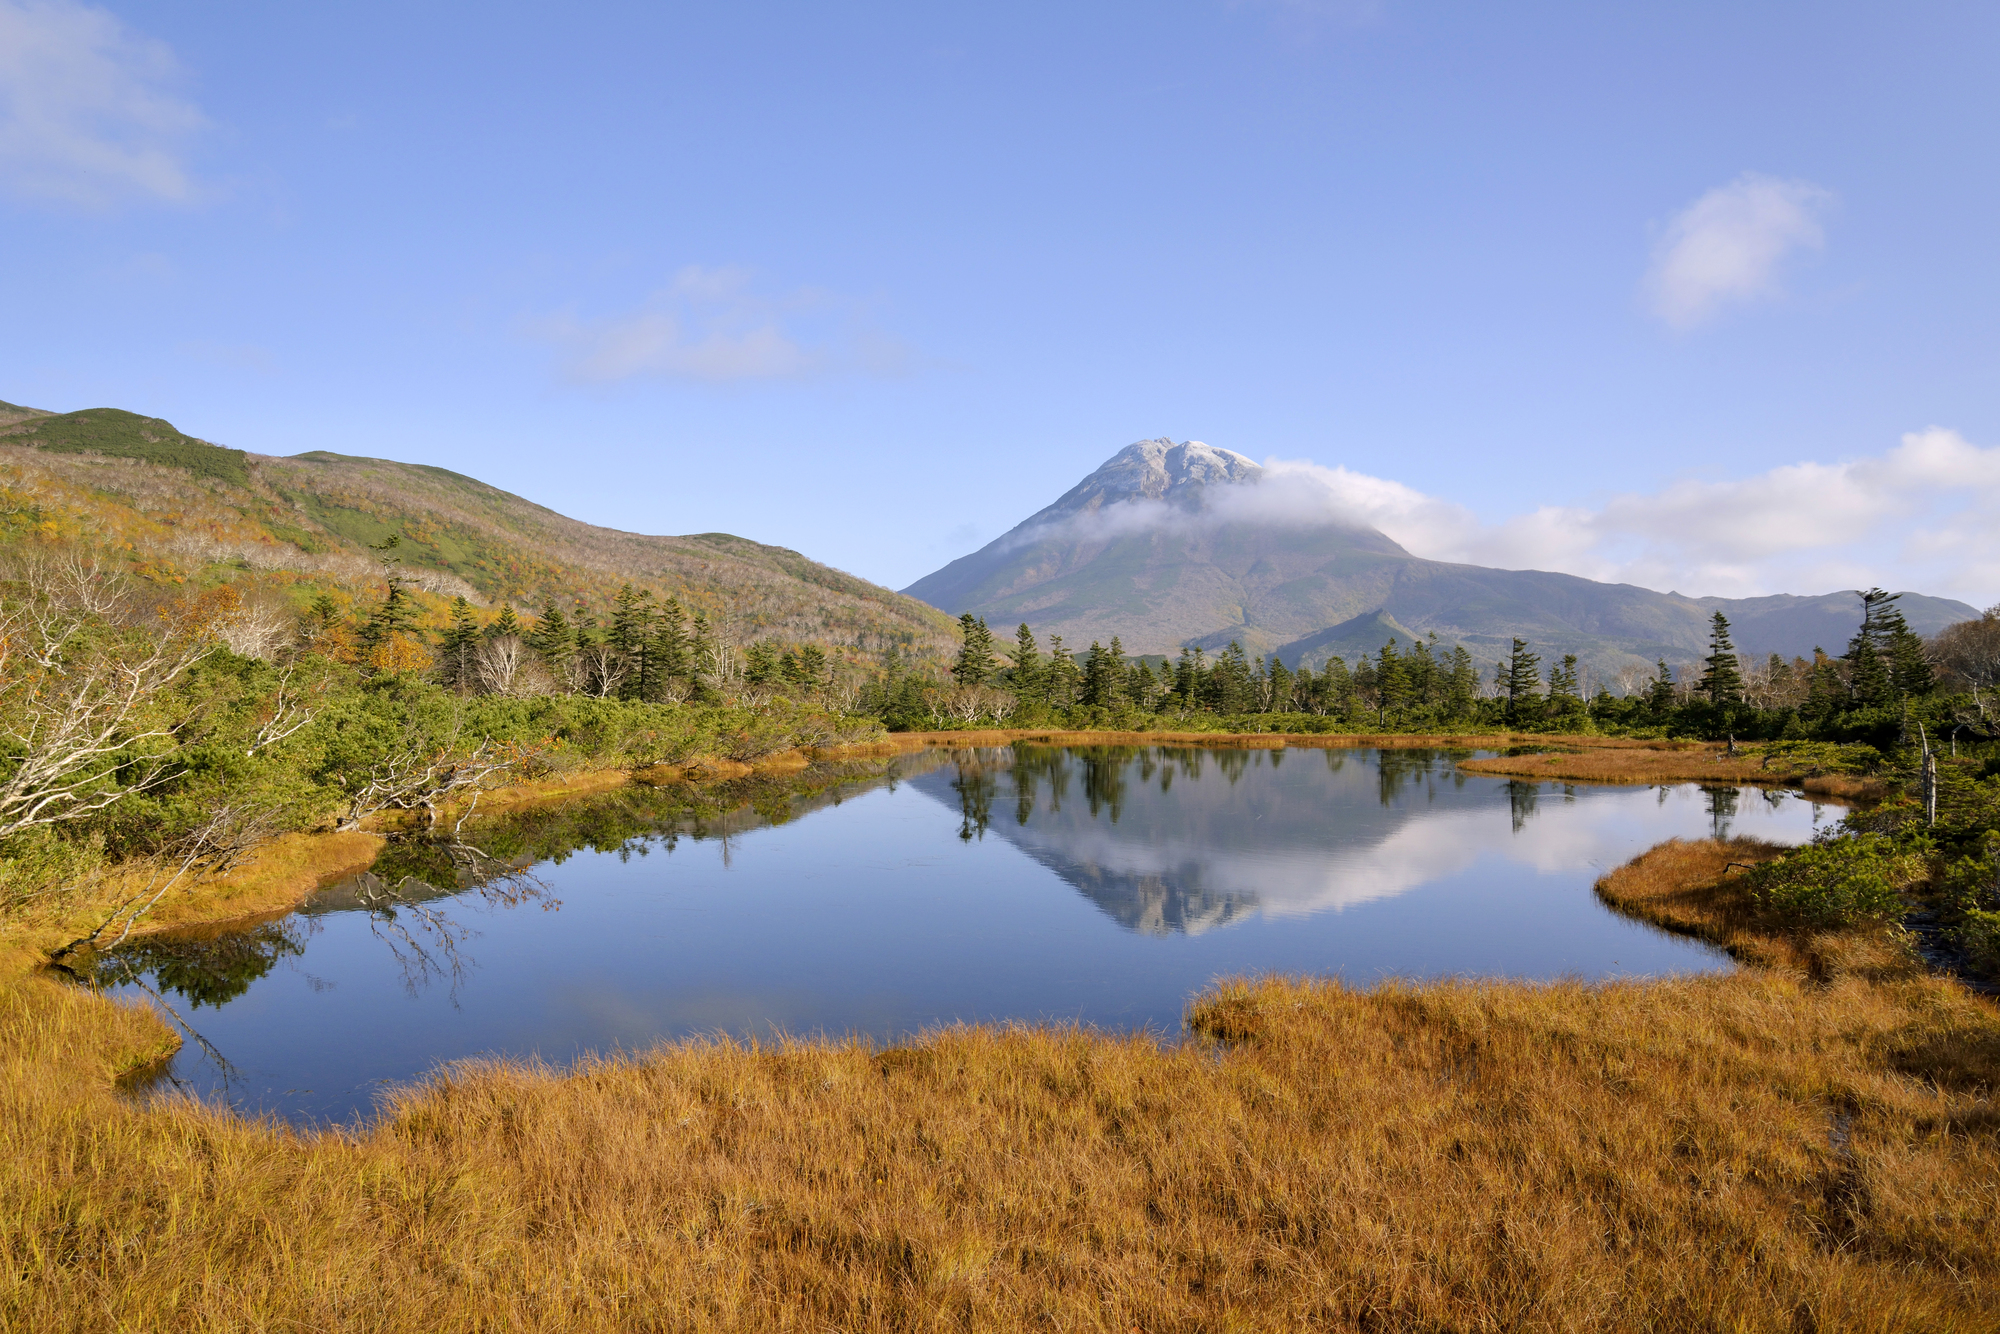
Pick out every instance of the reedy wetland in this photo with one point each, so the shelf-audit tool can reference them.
(1804, 1144)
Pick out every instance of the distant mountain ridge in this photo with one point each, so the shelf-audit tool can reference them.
(187, 502)
(1169, 544)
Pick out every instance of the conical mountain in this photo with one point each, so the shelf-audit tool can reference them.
(1150, 548)
(1169, 544)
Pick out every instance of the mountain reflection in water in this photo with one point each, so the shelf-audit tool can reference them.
(1316, 830)
(1103, 885)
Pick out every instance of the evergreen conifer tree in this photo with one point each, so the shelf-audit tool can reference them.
(1229, 689)
(1336, 686)
(632, 618)
(1910, 669)
(1064, 678)
(1283, 685)
(457, 644)
(1722, 681)
(1661, 697)
(506, 623)
(670, 641)
(553, 638)
(1421, 673)
(812, 666)
(975, 655)
(397, 615)
(1523, 683)
(700, 656)
(1026, 671)
(1867, 665)
(1826, 693)
(760, 663)
(1392, 680)
(1461, 684)
(1187, 677)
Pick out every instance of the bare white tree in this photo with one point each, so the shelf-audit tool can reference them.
(598, 670)
(77, 690)
(426, 772)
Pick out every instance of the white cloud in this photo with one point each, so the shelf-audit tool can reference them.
(87, 111)
(712, 325)
(1729, 244)
(1924, 515)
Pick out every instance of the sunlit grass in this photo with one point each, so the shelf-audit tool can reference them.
(1810, 1144)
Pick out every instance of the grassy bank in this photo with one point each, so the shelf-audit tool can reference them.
(1808, 1143)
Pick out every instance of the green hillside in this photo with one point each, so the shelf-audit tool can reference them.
(188, 508)
(116, 433)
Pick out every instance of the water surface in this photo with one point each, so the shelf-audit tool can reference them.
(1026, 883)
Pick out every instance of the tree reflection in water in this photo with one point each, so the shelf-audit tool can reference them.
(1721, 809)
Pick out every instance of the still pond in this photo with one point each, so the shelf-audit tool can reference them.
(1038, 883)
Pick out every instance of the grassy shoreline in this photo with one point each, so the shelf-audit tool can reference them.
(1810, 1142)
(289, 869)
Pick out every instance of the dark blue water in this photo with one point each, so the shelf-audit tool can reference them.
(1031, 884)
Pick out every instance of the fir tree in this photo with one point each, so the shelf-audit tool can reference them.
(397, 615)
(1228, 682)
(1392, 682)
(1421, 671)
(1283, 685)
(1461, 683)
(1523, 683)
(1187, 676)
(553, 638)
(760, 663)
(1026, 672)
(632, 618)
(1909, 664)
(1661, 696)
(506, 623)
(1563, 691)
(670, 641)
(1825, 691)
(700, 655)
(1867, 665)
(457, 645)
(1064, 679)
(812, 666)
(1142, 687)
(975, 656)
(1722, 681)
(1336, 686)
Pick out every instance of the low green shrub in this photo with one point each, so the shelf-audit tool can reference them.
(1838, 882)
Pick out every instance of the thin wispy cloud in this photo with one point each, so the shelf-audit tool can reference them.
(1924, 515)
(90, 114)
(714, 325)
(1730, 246)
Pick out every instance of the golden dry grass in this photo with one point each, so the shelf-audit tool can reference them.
(1770, 1150)
(1685, 762)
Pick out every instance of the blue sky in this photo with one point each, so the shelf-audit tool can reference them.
(1703, 296)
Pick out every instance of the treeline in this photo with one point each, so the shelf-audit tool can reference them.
(131, 734)
(1886, 682)
(641, 648)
